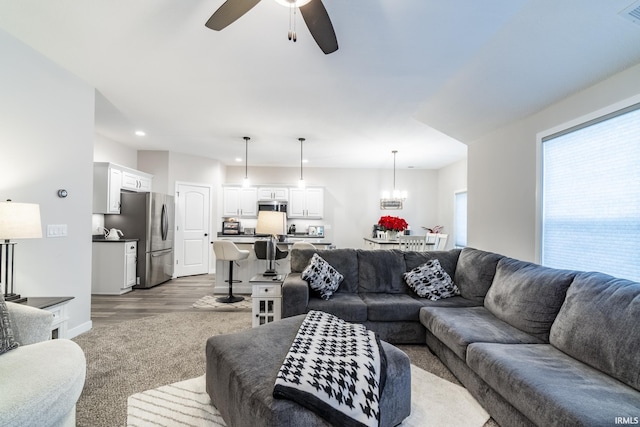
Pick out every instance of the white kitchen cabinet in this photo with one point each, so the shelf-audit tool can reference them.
(107, 181)
(306, 202)
(240, 202)
(273, 193)
(136, 181)
(114, 267)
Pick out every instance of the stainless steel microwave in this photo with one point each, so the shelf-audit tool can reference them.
(272, 205)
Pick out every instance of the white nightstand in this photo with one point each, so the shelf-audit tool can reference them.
(57, 306)
(267, 299)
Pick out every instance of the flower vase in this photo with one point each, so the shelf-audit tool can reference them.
(392, 235)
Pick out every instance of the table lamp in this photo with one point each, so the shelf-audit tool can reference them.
(17, 221)
(271, 223)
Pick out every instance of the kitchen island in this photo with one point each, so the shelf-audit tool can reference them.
(245, 269)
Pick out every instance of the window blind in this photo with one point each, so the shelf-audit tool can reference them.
(591, 196)
(460, 219)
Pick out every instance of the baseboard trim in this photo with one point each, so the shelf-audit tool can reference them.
(80, 329)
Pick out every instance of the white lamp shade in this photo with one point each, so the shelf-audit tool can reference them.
(272, 223)
(20, 221)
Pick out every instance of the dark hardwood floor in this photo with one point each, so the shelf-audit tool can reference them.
(174, 295)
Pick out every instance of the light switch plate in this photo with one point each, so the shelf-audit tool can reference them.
(56, 230)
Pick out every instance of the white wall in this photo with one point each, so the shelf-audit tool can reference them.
(352, 197)
(46, 139)
(502, 169)
(451, 179)
(108, 150)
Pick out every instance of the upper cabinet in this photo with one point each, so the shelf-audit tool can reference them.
(273, 193)
(306, 202)
(109, 179)
(240, 202)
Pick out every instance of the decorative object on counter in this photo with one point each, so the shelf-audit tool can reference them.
(436, 229)
(112, 234)
(17, 221)
(228, 251)
(245, 181)
(292, 229)
(273, 224)
(395, 199)
(230, 227)
(392, 225)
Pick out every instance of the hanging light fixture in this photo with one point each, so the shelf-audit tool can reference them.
(395, 199)
(301, 182)
(245, 181)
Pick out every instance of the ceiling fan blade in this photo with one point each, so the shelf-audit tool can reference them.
(319, 24)
(229, 12)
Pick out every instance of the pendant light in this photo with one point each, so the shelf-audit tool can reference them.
(395, 199)
(245, 181)
(301, 182)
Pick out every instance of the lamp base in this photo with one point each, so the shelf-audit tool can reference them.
(14, 298)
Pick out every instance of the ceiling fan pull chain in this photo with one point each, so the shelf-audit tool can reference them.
(295, 35)
(290, 35)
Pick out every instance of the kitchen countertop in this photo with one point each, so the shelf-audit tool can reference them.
(315, 240)
(103, 240)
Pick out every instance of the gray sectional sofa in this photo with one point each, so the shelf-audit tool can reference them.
(534, 345)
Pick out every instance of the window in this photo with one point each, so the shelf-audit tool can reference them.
(460, 218)
(591, 196)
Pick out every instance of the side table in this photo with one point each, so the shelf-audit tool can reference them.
(267, 299)
(57, 306)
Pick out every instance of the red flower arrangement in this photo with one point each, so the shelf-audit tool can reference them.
(392, 223)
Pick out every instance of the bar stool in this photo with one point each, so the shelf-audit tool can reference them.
(228, 251)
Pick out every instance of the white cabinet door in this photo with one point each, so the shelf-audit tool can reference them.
(273, 193)
(306, 202)
(136, 181)
(115, 182)
(240, 201)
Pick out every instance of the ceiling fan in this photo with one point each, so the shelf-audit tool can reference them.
(313, 12)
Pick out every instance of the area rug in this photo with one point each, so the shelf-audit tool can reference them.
(434, 403)
(208, 302)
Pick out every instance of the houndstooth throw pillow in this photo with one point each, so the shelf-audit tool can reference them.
(322, 277)
(6, 334)
(430, 281)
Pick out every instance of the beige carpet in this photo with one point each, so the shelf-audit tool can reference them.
(209, 302)
(434, 403)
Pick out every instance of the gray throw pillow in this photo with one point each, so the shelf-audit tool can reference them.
(6, 334)
(429, 280)
(322, 277)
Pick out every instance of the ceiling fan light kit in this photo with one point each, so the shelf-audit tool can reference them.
(313, 12)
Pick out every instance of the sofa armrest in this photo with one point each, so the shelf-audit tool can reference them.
(29, 324)
(295, 295)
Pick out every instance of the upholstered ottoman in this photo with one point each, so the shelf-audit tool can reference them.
(242, 369)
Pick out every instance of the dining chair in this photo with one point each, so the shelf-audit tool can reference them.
(441, 242)
(430, 241)
(411, 243)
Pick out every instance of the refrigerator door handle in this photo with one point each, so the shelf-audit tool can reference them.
(160, 253)
(164, 222)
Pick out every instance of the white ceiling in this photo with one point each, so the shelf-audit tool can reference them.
(410, 75)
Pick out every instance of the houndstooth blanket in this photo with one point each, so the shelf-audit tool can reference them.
(336, 369)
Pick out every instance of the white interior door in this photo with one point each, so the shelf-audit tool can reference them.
(192, 229)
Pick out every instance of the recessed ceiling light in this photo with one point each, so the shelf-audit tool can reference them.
(305, 161)
(238, 159)
(140, 133)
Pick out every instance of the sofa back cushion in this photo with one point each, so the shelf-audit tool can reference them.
(448, 259)
(528, 296)
(474, 273)
(345, 261)
(381, 271)
(598, 325)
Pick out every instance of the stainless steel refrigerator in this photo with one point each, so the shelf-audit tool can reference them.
(148, 217)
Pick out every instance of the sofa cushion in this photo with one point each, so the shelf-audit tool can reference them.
(429, 280)
(598, 325)
(459, 327)
(456, 301)
(346, 306)
(528, 296)
(343, 260)
(551, 388)
(391, 307)
(7, 341)
(474, 273)
(448, 259)
(381, 271)
(322, 277)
